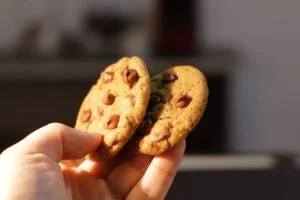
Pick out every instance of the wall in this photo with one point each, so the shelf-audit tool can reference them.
(66, 14)
(264, 111)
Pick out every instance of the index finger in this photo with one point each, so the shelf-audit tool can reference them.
(159, 176)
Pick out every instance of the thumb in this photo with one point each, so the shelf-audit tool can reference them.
(60, 142)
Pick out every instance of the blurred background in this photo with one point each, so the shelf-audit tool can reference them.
(246, 145)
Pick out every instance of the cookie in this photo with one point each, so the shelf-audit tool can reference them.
(178, 100)
(115, 106)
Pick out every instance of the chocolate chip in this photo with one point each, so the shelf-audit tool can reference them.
(149, 115)
(130, 76)
(168, 78)
(107, 77)
(145, 127)
(131, 98)
(108, 99)
(182, 102)
(155, 147)
(155, 98)
(113, 122)
(115, 142)
(100, 111)
(86, 115)
(161, 136)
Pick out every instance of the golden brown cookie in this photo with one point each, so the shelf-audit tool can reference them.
(177, 103)
(116, 105)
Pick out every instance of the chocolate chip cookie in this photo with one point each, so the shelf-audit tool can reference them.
(116, 105)
(177, 103)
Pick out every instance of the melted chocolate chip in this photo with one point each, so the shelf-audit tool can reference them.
(86, 115)
(113, 122)
(107, 77)
(168, 78)
(182, 102)
(108, 99)
(130, 76)
(156, 98)
(145, 127)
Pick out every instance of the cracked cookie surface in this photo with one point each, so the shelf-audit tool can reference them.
(177, 102)
(115, 105)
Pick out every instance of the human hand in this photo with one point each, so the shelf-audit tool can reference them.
(48, 164)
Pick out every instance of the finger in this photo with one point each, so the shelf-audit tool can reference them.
(60, 142)
(159, 176)
(122, 179)
(86, 186)
(102, 168)
(99, 169)
(72, 163)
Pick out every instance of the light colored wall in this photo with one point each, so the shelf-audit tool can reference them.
(265, 110)
(15, 14)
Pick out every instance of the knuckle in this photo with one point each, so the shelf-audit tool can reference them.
(56, 127)
(8, 151)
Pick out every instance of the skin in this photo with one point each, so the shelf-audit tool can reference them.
(48, 164)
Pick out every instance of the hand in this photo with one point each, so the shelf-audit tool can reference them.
(48, 164)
